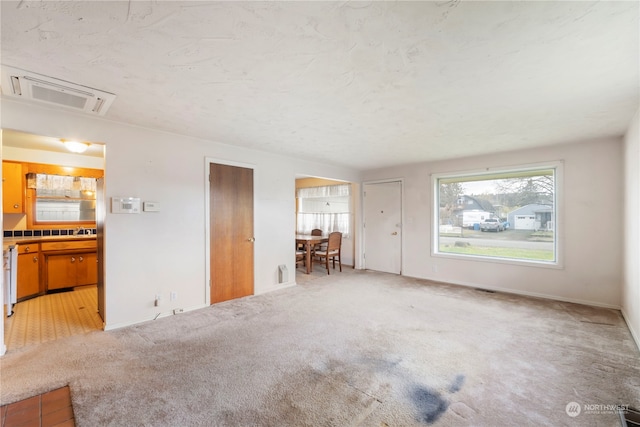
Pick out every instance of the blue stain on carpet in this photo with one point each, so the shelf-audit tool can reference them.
(429, 403)
(457, 384)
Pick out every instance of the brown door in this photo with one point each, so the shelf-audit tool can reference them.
(231, 225)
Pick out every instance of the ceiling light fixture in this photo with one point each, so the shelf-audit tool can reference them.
(75, 146)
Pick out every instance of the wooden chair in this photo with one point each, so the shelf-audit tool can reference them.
(332, 251)
(300, 257)
(319, 246)
(314, 232)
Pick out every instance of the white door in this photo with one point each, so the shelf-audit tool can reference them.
(383, 227)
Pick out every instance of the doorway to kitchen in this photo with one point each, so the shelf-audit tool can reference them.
(67, 297)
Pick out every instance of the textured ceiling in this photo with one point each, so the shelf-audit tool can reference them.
(363, 84)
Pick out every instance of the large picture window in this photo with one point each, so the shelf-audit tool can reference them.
(506, 215)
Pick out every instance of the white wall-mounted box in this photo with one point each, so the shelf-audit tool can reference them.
(125, 205)
(151, 206)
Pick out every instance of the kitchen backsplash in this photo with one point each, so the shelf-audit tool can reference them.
(43, 233)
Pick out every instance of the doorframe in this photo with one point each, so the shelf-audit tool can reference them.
(361, 259)
(101, 249)
(3, 346)
(207, 218)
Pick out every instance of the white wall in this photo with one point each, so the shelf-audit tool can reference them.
(52, 158)
(592, 253)
(160, 252)
(631, 288)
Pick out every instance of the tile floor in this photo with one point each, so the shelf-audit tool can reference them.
(49, 409)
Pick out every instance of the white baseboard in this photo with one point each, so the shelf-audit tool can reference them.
(524, 293)
(111, 327)
(634, 333)
(275, 288)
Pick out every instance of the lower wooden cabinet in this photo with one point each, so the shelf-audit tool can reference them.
(69, 270)
(28, 271)
(61, 271)
(87, 272)
(53, 265)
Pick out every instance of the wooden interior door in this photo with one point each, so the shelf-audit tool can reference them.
(231, 227)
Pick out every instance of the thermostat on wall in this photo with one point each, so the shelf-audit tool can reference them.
(125, 205)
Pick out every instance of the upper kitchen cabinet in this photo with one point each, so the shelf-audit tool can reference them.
(13, 188)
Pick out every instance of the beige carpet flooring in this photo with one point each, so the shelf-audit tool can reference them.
(53, 316)
(355, 348)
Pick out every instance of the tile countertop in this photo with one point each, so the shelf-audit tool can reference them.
(8, 242)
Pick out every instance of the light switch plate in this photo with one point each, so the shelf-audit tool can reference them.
(151, 206)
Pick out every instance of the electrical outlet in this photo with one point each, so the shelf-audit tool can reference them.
(173, 296)
(177, 310)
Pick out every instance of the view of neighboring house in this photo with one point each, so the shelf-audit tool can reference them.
(532, 217)
(472, 210)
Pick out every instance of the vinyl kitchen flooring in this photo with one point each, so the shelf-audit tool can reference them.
(53, 316)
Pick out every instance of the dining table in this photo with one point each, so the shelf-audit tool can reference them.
(309, 242)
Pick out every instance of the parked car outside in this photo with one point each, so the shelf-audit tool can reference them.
(492, 224)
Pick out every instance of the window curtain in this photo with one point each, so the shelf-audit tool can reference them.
(60, 183)
(325, 191)
(326, 221)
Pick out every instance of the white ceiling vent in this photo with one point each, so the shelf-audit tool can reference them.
(36, 87)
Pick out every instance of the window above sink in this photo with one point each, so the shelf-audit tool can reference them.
(60, 197)
(63, 198)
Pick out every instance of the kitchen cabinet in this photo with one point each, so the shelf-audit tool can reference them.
(70, 263)
(13, 188)
(69, 270)
(87, 269)
(28, 271)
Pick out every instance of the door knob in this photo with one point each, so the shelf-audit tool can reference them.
(395, 233)
(251, 239)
